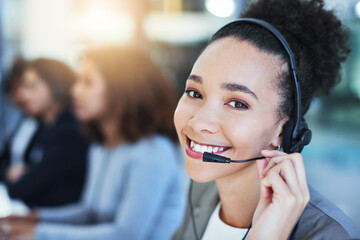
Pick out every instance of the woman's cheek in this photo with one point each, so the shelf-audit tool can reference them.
(243, 135)
(180, 115)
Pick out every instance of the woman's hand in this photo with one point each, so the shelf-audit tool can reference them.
(283, 195)
(18, 227)
(15, 172)
(17, 230)
(31, 217)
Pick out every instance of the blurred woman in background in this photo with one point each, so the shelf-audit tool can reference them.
(133, 188)
(54, 168)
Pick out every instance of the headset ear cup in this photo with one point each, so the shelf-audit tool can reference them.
(287, 135)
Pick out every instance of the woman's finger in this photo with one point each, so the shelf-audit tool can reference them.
(280, 189)
(276, 157)
(286, 170)
(272, 153)
(261, 165)
(298, 166)
(269, 154)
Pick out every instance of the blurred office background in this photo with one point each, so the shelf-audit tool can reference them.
(176, 31)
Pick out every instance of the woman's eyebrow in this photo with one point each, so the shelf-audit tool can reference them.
(195, 78)
(237, 87)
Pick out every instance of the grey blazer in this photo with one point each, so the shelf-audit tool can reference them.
(320, 219)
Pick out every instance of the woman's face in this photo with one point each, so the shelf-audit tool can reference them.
(229, 107)
(89, 93)
(35, 94)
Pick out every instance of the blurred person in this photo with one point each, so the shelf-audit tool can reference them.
(245, 97)
(133, 188)
(18, 141)
(54, 168)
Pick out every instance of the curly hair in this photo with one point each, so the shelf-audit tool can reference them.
(315, 35)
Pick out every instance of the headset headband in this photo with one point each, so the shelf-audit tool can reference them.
(300, 134)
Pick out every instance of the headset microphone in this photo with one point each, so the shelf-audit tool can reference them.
(209, 157)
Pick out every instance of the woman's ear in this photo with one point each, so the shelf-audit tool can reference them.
(277, 139)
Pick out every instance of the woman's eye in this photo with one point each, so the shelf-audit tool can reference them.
(238, 104)
(193, 94)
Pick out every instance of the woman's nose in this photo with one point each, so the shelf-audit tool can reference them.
(205, 120)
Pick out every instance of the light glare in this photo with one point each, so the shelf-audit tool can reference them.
(357, 9)
(220, 8)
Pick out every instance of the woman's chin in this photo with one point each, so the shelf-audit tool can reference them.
(83, 117)
(200, 179)
(199, 172)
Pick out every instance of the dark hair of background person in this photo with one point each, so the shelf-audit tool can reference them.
(317, 38)
(58, 76)
(139, 94)
(13, 76)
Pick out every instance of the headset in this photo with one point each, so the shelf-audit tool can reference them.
(296, 133)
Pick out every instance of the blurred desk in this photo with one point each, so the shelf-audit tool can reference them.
(8, 206)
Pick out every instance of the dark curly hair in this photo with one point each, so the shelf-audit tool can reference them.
(315, 35)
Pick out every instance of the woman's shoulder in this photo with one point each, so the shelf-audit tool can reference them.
(152, 146)
(321, 219)
(154, 140)
(204, 198)
(155, 146)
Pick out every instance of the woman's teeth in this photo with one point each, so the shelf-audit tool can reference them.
(203, 148)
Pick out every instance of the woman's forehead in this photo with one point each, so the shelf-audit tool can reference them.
(233, 60)
(30, 75)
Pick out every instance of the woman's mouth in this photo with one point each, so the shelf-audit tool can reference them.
(195, 149)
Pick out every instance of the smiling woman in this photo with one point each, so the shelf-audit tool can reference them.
(240, 99)
(221, 111)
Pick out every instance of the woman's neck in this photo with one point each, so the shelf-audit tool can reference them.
(110, 130)
(239, 196)
(49, 117)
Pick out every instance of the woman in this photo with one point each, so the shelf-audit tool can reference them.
(133, 188)
(239, 101)
(54, 167)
